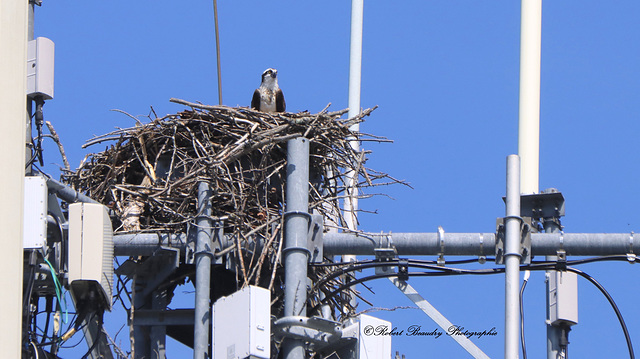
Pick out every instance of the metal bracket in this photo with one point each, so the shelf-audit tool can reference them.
(561, 260)
(316, 332)
(403, 270)
(548, 204)
(154, 270)
(385, 252)
(315, 243)
(525, 240)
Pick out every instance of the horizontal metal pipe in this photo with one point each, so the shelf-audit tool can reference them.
(144, 244)
(410, 243)
(66, 193)
(575, 244)
(469, 244)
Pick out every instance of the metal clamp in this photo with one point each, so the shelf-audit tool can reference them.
(301, 213)
(309, 219)
(631, 257)
(317, 332)
(482, 259)
(441, 261)
(385, 249)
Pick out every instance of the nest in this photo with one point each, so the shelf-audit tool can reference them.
(149, 176)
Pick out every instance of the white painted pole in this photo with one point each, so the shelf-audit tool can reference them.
(355, 75)
(13, 104)
(529, 117)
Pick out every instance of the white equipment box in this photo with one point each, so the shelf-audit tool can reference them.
(40, 59)
(370, 343)
(242, 325)
(90, 251)
(563, 298)
(35, 213)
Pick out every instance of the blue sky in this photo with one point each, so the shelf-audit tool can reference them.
(445, 75)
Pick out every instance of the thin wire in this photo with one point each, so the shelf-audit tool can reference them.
(524, 347)
(215, 18)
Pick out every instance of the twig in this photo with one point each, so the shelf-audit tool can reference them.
(56, 139)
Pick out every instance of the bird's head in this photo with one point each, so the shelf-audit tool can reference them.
(269, 76)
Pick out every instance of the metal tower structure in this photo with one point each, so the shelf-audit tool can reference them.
(300, 328)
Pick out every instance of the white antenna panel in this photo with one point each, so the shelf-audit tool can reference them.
(90, 252)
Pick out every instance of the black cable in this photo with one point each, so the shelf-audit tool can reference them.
(97, 339)
(453, 271)
(39, 117)
(48, 310)
(613, 305)
(415, 274)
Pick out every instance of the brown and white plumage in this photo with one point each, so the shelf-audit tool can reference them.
(268, 97)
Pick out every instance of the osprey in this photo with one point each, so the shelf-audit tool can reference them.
(268, 97)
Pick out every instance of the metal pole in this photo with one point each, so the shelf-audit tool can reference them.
(529, 118)
(296, 254)
(553, 332)
(419, 244)
(355, 75)
(215, 17)
(203, 273)
(13, 89)
(512, 259)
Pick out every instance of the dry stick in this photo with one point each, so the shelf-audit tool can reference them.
(276, 259)
(241, 260)
(56, 139)
(258, 266)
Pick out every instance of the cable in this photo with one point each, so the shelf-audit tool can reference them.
(453, 271)
(48, 310)
(613, 305)
(39, 117)
(524, 285)
(96, 340)
(58, 288)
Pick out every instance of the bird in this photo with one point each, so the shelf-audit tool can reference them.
(268, 97)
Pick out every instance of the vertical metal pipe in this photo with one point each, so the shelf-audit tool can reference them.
(203, 255)
(355, 76)
(296, 254)
(158, 333)
(13, 87)
(355, 58)
(512, 259)
(553, 332)
(141, 347)
(529, 117)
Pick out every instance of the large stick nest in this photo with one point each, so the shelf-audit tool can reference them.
(149, 174)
